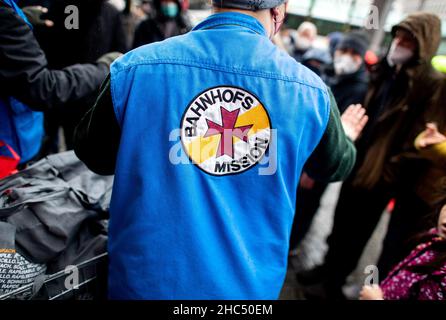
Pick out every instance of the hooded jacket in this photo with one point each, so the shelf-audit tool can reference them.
(386, 150)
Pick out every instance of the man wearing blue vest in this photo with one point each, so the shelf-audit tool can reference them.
(28, 87)
(187, 126)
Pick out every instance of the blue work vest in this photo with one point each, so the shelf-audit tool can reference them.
(195, 211)
(21, 127)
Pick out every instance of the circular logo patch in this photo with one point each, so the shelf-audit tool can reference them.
(225, 130)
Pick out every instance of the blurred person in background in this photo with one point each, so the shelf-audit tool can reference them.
(333, 40)
(133, 14)
(101, 30)
(349, 85)
(350, 80)
(27, 84)
(403, 96)
(317, 60)
(303, 40)
(168, 19)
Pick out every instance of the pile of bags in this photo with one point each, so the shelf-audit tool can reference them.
(52, 215)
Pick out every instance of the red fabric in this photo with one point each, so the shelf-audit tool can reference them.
(8, 164)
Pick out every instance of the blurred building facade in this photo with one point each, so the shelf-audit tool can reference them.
(342, 15)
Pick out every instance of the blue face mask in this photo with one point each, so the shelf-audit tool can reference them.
(169, 9)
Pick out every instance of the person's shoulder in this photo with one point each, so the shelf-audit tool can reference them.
(156, 52)
(296, 72)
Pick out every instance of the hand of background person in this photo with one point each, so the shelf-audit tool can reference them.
(34, 15)
(354, 120)
(108, 58)
(373, 292)
(429, 137)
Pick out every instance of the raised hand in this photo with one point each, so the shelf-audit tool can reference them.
(354, 120)
(429, 137)
(34, 15)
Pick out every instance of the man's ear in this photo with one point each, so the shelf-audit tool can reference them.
(279, 12)
(275, 12)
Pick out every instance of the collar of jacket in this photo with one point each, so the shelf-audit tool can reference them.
(218, 20)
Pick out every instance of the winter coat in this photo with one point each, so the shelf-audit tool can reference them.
(404, 283)
(24, 72)
(399, 106)
(431, 185)
(101, 30)
(158, 27)
(349, 89)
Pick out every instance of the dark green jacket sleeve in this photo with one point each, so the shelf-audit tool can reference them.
(335, 156)
(97, 136)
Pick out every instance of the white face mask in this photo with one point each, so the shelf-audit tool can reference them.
(346, 64)
(399, 55)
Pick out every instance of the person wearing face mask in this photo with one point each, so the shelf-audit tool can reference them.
(168, 19)
(217, 226)
(350, 81)
(404, 94)
(303, 40)
(349, 85)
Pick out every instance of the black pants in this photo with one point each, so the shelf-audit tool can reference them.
(410, 218)
(357, 215)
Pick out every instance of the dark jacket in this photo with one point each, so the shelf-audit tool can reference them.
(159, 28)
(24, 72)
(399, 106)
(431, 182)
(101, 31)
(350, 89)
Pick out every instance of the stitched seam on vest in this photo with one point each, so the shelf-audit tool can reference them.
(238, 71)
(115, 105)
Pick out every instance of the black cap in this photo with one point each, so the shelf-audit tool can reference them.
(251, 5)
(356, 41)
